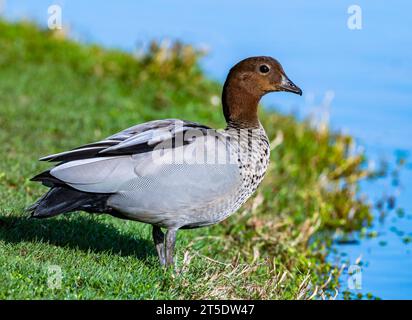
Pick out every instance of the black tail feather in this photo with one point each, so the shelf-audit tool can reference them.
(60, 200)
(47, 179)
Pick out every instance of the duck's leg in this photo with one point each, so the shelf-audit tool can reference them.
(170, 246)
(159, 241)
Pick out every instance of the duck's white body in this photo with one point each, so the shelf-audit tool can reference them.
(172, 185)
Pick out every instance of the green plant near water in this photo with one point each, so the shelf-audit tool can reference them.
(56, 94)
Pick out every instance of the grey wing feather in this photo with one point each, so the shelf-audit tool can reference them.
(137, 139)
(151, 191)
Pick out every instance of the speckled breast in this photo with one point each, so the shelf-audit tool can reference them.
(252, 149)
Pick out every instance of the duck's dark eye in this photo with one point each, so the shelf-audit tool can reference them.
(264, 68)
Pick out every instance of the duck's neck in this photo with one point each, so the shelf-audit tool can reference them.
(239, 107)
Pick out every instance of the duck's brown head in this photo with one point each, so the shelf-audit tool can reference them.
(247, 82)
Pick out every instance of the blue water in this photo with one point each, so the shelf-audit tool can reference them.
(360, 79)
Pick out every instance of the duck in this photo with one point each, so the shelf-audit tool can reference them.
(172, 174)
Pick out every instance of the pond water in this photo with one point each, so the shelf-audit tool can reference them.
(359, 80)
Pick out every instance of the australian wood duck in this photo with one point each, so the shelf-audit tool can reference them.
(172, 174)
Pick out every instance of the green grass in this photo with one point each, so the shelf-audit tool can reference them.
(56, 94)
